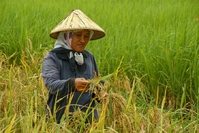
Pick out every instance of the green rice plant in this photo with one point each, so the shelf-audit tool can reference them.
(155, 45)
(127, 114)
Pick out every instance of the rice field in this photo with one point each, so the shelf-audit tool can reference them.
(149, 59)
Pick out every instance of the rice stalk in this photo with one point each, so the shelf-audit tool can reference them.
(10, 126)
(129, 103)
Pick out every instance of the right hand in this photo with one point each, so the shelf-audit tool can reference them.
(81, 84)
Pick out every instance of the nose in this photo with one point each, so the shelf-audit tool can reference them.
(82, 39)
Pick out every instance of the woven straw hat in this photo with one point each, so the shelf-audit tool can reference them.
(77, 20)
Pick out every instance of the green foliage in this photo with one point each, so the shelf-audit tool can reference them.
(154, 42)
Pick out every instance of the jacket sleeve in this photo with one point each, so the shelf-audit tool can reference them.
(95, 67)
(51, 77)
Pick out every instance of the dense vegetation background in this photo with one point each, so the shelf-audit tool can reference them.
(151, 47)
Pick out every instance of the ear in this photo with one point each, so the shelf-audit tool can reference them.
(70, 34)
(65, 36)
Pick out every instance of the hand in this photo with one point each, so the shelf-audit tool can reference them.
(81, 84)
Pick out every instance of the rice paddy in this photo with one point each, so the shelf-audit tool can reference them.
(148, 60)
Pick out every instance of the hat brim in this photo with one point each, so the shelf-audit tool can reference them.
(96, 35)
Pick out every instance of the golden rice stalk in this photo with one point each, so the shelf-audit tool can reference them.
(123, 123)
(154, 116)
(118, 104)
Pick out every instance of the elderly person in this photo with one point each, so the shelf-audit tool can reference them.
(67, 69)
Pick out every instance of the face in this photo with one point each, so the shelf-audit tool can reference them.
(80, 40)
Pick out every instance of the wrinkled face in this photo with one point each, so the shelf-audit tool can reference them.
(80, 40)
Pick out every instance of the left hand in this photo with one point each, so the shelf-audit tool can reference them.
(81, 84)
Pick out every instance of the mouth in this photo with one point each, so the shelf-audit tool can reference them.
(80, 45)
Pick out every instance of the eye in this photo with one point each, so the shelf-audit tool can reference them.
(79, 35)
(87, 37)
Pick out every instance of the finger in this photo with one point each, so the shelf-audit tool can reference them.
(80, 89)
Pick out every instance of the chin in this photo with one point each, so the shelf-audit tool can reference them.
(79, 51)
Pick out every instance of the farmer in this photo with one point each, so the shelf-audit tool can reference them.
(68, 67)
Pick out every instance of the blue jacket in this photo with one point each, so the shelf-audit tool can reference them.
(59, 72)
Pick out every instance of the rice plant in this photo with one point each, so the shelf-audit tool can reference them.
(148, 59)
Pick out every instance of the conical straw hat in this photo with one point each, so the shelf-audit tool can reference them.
(77, 20)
